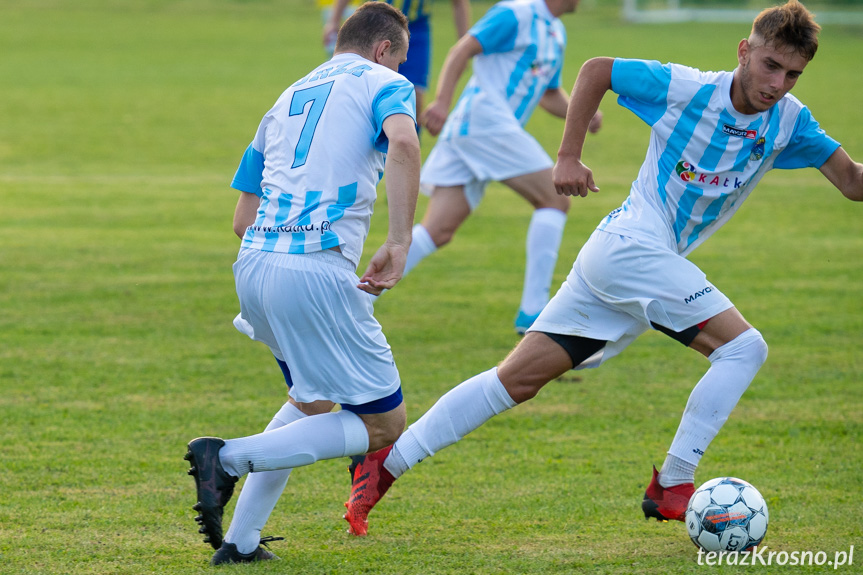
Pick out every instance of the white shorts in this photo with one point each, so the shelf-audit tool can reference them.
(618, 286)
(308, 310)
(474, 161)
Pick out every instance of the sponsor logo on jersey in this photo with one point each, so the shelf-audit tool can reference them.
(686, 172)
(739, 132)
(295, 229)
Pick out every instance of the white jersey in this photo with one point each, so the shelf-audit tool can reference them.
(704, 157)
(318, 155)
(522, 56)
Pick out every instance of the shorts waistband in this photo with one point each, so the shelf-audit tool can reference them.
(332, 258)
(329, 257)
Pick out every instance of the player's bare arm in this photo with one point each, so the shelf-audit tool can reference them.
(245, 212)
(331, 28)
(461, 16)
(401, 171)
(845, 174)
(453, 67)
(571, 177)
(555, 101)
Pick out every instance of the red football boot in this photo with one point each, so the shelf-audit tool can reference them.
(666, 504)
(370, 480)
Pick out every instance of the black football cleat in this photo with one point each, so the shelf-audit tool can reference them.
(228, 553)
(214, 486)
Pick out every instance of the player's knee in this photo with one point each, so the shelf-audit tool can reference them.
(759, 349)
(754, 347)
(748, 348)
(525, 388)
(386, 432)
(559, 202)
(442, 236)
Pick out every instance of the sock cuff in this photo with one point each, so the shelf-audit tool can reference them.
(424, 241)
(496, 393)
(356, 434)
(289, 413)
(750, 337)
(549, 216)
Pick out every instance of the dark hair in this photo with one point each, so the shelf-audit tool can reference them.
(371, 23)
(790, 25)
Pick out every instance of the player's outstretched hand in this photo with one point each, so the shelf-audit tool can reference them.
(572, 178)
(385, 269)
(434, 117)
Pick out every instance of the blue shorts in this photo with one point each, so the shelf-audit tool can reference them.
(416, 67)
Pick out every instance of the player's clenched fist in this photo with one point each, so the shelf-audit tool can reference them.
(572, 178)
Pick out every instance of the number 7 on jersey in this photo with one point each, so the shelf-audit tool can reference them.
(317, 95)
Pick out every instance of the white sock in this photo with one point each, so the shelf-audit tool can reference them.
(260, 493)
(544, 235)
(422, 246)
(676, 471)
(733, 367)
(302, 442)
(457, 413)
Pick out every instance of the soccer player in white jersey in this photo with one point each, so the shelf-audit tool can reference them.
(307, 188)
(517, 51)
(714, 135)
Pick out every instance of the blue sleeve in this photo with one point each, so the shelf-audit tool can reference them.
(809, 146)
(396, 97)
(642, 86)
(250, 173)
(497, 30)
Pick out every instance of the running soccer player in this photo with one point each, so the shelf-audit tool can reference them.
(517, 51)
(307, 188)
(416, 67)
(713, 137)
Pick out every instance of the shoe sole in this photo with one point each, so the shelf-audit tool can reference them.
(210, 512)
(238, 558)
(651, 510)
(356, 527)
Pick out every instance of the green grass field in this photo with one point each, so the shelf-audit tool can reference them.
(121, 124)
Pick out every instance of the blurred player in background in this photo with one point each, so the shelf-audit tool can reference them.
(517, 50)
(713, 137)
(307, 188)
(416, 68)
(330, 36)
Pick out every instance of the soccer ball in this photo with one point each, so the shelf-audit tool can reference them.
(726, 514)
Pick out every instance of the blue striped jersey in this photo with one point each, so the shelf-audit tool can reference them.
(704, 157)
(522, 56)
(318, 155)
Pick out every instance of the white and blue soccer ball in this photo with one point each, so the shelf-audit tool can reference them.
(726, 514)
